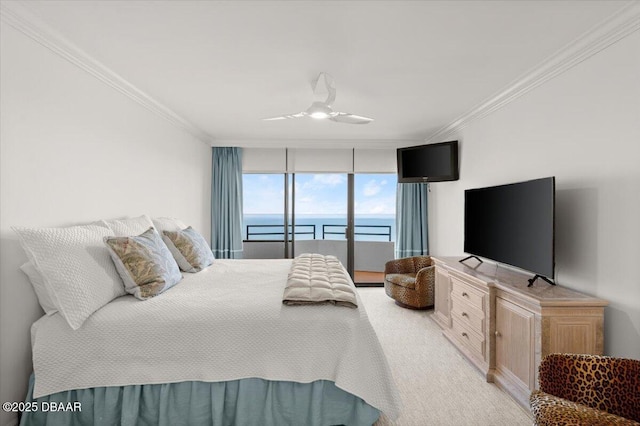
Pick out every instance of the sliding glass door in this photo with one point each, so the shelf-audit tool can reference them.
(264, 218)
(350, 216)
(319, 214)
(374, 225)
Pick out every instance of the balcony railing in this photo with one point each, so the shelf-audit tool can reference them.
(254, 232)
(251, 233)
(386, 233)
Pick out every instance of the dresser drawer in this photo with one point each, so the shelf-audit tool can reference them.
(468, 315)
(466, 292)
(469, 338)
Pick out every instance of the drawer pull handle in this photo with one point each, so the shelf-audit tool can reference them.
(498, 333)
(464, 294)
(464, 314)
(464, 335)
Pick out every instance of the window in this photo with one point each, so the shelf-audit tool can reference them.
(263, 207)
(375, 207)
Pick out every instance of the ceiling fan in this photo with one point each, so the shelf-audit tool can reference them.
(322, 110)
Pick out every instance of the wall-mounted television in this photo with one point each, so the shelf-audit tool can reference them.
(513, 224)
(428, 163)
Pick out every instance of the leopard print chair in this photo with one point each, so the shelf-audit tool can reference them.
(587, 390)
(410, 281)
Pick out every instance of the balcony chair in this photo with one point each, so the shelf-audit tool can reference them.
(587, 390)
(410, 281)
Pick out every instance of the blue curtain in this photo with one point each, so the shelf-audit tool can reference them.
(226, 203)
(411, 220)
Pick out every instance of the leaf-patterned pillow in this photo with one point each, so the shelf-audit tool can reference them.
(145, 263)
(189, 248)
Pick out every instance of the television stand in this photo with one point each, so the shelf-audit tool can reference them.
(532, 280)
(508, 327)
(470, 257)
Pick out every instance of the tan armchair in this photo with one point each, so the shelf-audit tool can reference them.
(587, 390)
(410, 281)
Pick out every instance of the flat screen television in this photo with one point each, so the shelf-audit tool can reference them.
(428, 163)
(513, 224)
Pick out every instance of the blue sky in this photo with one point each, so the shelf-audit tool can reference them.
(321, 194)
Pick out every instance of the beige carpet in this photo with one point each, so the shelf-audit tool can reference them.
(437, 385)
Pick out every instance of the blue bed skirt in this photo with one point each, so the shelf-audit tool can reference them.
(238, 402)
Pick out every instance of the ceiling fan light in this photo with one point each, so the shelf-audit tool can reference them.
(319, 111)
(319, 115)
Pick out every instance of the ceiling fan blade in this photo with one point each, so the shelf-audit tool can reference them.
(343, 117)
(331, 88)
(285, 117)
(324, 88)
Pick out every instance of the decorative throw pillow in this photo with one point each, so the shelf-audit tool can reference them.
(77, 271)
(130, 226)
(168, 224)
(144, 263)
(189, 248)
(44, 298)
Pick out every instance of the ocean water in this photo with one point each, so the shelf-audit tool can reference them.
(270, 227)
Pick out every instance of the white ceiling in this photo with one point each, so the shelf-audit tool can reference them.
(414, 66)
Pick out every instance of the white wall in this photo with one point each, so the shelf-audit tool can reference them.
(584, 128)
(74, 150)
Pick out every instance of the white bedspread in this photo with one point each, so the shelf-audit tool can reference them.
(226, 322)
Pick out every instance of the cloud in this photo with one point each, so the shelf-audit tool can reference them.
(322, 185)
(316, 208)
(381, 209)
(380, 205)
(330, 179)
(263, 194)
(372, 188)
(319, 194)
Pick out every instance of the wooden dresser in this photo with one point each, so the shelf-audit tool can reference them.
(505, 328)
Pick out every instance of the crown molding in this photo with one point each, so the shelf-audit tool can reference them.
(618, 26)
(20, 18)
(317, 143)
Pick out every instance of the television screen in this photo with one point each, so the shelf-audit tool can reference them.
(428, 163)
(512, 224)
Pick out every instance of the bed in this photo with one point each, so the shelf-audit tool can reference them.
(218, 348)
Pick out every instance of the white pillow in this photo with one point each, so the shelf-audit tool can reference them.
(76, 268)
(38, 286)
(167, 224)
(130, 226)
